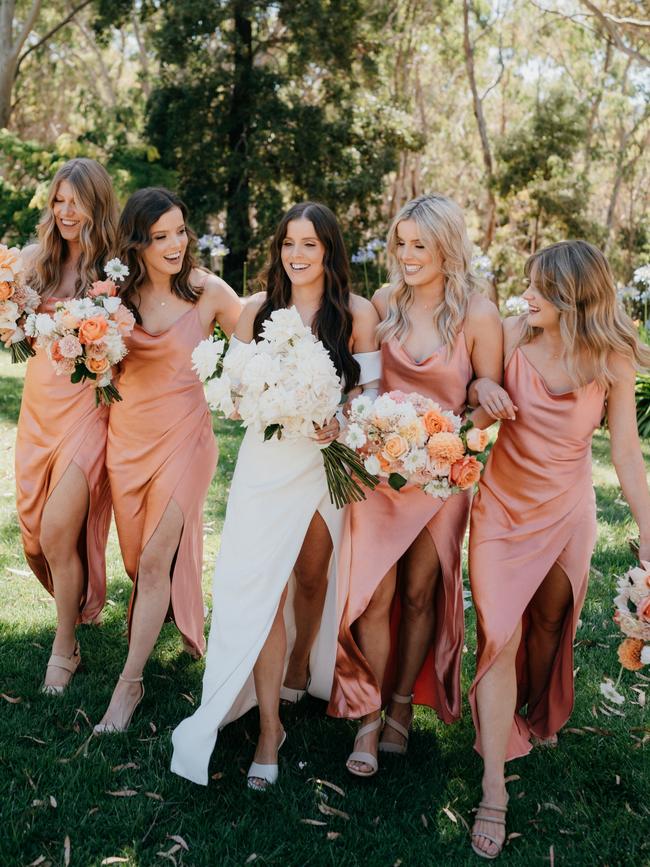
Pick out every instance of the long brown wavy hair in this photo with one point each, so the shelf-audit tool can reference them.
(333, 321)
(142, 210)
(577, 279)
(95, 199)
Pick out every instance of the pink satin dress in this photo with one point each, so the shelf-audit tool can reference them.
(161, 448)
(535, 506)
(59, 424)
(382, 529)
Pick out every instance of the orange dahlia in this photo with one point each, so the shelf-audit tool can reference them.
(629, 653)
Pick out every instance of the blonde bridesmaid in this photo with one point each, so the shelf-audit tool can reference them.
(63, 498)
(401, 636)
(161, 450)
(569, 361)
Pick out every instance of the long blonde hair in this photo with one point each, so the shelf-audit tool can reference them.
(95, 198)
(577, 279)
(441, 228)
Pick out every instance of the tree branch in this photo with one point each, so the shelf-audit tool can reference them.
(51, 32)
(28, 26)
(612, 31)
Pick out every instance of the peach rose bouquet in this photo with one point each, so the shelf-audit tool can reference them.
(17, 302)
(632, 616)
(410, 439)
(84, 337)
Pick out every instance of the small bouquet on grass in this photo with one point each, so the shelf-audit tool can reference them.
(633, 617)
(17, 302)
(84, 337)
(283, 386)
(410, 439)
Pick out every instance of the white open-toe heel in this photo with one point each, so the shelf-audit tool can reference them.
(360, 756)
(387, 746)
(268, 773)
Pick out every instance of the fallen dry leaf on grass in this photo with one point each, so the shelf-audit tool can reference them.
(32, 738)
(424, 820)
(125, 767)
(115, 859)
(316, 822)
(39, 860)
(178, 839)
(333, 835)
(188, 698)
(450, 815)
(155, 796)
(551, 856)
(252, 857)
(123, 793)
(10, 698)
(81, 712)
(512, 778)
(66, 851)
(513, 835)
(329, 785)
(332, 811)
(217, 776)
(53, 802)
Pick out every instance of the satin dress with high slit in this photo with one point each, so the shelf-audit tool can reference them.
(535, 507)
(277, 487)
(161, 448)
(59, 424)
(382, 529)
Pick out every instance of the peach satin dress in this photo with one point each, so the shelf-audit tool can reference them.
(161, 448)
(535, 506)
(59, 424)
(382, 529)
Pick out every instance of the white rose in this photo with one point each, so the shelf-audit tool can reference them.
(372, 464)
(44, 324)
(111, 304)
(205, 357)
(8, 314)
(218, 395)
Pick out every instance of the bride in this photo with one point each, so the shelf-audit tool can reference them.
(280, 524)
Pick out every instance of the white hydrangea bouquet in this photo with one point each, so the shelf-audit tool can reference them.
(84, 337)
(17, 302)
(411, 439)
(283, 386)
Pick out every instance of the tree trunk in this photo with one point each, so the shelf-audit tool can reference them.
(238, 223)
(490, 215)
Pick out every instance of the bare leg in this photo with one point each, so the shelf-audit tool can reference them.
(149, 610)
(268, 679)
(372, 634)
(420, 574)
(311, 588)
(548, 611)
(496, 697)
(63, 519)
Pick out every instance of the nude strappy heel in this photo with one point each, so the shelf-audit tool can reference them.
(397, 749)
(268, 773)
(110, 728)
(366, 758)
(66, 663)
(494, 820)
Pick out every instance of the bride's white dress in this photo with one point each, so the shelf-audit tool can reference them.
(276, 488)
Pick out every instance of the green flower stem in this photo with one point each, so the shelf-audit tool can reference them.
(106, 395)
(21, 351)
(342, 485)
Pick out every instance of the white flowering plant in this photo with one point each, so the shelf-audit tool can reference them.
(84, 337)
(284, 386)
(410, 439)
(17, 302)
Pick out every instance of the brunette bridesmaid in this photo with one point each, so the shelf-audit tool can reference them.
(436, 333)
(63, 497)
(161, 450)
(568, 361)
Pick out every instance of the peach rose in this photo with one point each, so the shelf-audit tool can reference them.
(434, 422)
(6, 290)
(56, 352)
(477, 439)
(465, 473)
(9, 258)
(92, 329)
(445, 448)
(97, 365)
(643, 610)
(124, 319)
(68, 321)
(102, 287)
(395, 448)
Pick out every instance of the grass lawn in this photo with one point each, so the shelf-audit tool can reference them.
(67, 798)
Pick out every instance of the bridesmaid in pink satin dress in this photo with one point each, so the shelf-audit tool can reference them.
(161, 452)
(436, 333)
(63, 496)
(533, 525)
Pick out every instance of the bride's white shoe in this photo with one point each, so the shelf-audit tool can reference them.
(266, 773)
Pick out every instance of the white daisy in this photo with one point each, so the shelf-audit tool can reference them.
(116, 270)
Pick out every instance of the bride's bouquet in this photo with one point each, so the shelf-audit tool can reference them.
(17, 302)
(84, 337)
(283, 386)
(410, 439)
(633, 616)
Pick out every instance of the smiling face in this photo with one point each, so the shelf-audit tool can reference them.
(541, 312)
(420, 266)
(303, 253)
(164, 255)
(67, 212)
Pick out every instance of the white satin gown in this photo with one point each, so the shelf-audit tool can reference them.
(276, 488)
